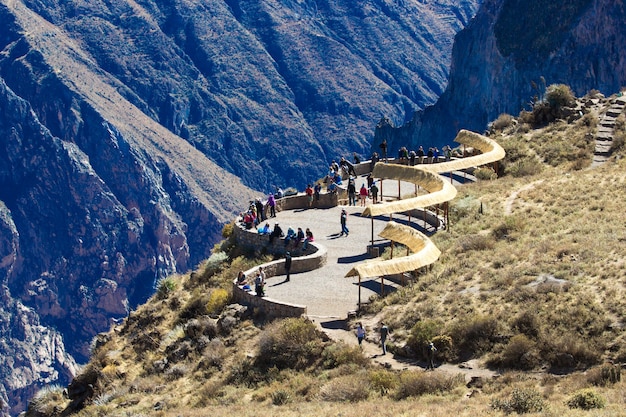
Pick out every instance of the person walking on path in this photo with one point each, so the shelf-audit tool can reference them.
(360, 333)
(384, 331)
(344, 219)
(287, 265)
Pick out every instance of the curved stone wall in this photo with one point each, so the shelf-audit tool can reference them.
(314, 257)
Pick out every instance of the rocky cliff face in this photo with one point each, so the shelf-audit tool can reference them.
(125, 128)
(509, 53)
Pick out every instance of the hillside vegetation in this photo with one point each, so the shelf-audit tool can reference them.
(530, 284)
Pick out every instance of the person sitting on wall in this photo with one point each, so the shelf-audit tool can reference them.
(291, 235)
(241, 278)
(332, 187)
(347, 167)
(299, 237)
(357, 160)
(308, 238)
(265, 230)
(276, 233)
(248, 219)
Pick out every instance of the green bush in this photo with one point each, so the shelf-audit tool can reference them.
(475, 335)
(218, 299)
(521, 401)
(560, 95)
(485, 174)
(519, 353)
(421, 334)
(338, 354)
(165, 287)
(525, 167)
(586, 399)
(416, 383)
(291, 343)
(383, 381)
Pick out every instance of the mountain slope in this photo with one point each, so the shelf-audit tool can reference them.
(507, 56)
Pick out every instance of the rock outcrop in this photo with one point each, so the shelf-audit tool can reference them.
(504, 59)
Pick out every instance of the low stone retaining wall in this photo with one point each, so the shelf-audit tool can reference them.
(314, 257)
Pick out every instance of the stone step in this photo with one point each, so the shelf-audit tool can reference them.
(613, 113)
(621, 100)
(602, 149)
(608, 123)
(604, 137)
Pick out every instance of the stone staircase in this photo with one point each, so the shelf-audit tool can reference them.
(606, 127)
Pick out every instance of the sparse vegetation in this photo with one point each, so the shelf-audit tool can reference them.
(531, 278)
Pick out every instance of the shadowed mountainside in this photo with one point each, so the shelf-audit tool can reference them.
(504, 59)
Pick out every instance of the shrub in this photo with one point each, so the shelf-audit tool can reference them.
(475, 334)
(525, 167)
(521, 401)
(502, 122)
(291, 343)
(560, 95)
(476, 242)
(416, 383)
(519, 353)
(218, 299)
(383, 381)
(605, 375)
(423, 333)
(227, 230)
(195, 307)
(586, 399)
(485, 174)
(527, 323)
(280, 397)
(338, 354)
(510, 225)
(165, 287)
(349, 388)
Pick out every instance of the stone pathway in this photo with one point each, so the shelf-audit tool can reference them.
(606, 128)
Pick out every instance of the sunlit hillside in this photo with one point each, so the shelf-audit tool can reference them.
(530, 287)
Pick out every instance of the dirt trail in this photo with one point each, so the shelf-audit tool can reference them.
(508, 204)
(372, 349)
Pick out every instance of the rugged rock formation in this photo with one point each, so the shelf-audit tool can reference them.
(125, 126)
(507, 56)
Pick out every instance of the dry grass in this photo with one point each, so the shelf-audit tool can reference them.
(532, 276)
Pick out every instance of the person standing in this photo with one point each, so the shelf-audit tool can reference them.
(383, 150)
(351, 193)
(384, 332)
(363, 195)
(272, 203)
(309, 195)
(360, 333)
(374, 191)
(344, 219)
(431, 356)
(259, 283)
(287, 265)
